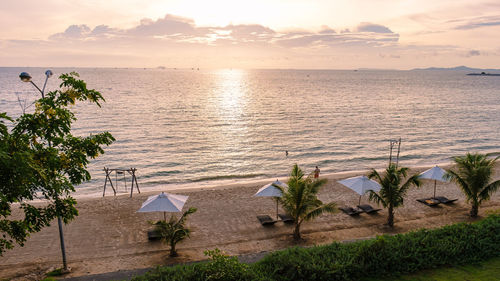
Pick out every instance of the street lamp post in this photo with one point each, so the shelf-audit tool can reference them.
(26, 77)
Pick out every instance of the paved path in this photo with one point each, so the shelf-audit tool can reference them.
(129, 274)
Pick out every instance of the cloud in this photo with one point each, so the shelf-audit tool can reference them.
(473, 25)
(473, 53)
(247, 33)
(179, 30)
(103, 30)
(326, 30)
(73, 31)
(351, 39)
(178, 41)
(168, 25)
(370, 27)
(391, 56)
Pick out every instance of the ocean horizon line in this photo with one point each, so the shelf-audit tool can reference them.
(420, 68)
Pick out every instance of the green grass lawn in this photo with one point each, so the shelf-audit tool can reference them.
(484, 271)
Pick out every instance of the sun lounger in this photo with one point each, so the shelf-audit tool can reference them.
(444, 200)
(368, 209)
(153, 235)
(266, 220)
(351, 211)
(286, 218)
(429, 201)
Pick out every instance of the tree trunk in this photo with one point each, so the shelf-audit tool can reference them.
(474, 210)
(173, 252)
(296, 232)
(390, 218)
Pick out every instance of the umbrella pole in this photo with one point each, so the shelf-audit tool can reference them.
(359, 203)
(434, 189)
(276, 208)
(165, 216)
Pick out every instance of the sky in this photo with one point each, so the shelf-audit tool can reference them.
(296, 34)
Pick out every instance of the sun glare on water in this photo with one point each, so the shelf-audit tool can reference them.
(231, 91)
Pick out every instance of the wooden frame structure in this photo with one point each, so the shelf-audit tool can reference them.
(131, 171)
(392, 144)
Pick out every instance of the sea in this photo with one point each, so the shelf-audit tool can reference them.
(183, 128)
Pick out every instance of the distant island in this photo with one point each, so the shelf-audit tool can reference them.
(473, 71)
(484, 74)
(459, 68)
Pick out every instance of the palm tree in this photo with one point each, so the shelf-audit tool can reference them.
(301, 201)
(174, 230)
(392, 192)
(473, 174)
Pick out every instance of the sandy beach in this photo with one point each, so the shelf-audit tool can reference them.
(108, 235)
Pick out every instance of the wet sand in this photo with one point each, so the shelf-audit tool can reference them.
(108, 235)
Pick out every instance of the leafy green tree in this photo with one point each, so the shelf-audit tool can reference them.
(174, 231)
(473, 174)
(41, 159)
(17, 169)
(301, 201)
(393, 190)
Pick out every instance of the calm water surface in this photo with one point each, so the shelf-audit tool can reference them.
(190, 128)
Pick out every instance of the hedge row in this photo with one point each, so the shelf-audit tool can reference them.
(385, 255)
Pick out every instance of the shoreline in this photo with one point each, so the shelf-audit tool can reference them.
(229, 183)
(109, 235)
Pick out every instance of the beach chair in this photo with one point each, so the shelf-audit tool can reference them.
(368, 209)
(351, 211)
(153, 235)
(444, 200)
(266, 220)
(286, 218)
(429, 201)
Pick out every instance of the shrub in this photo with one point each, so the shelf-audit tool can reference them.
(220, 267)
(174, 230)
(388, 255)
(384, 255)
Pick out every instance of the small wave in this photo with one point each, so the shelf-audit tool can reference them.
(226, 177)
(366, 159)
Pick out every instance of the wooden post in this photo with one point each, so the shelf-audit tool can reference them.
(131, 171)
(132, 188)
(135, 178)
(390, 153)
(105, 182)
(399, 149)
(125, 181)
(108, 178)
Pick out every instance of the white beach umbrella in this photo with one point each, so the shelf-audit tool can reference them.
(436, 174)
(361, 185)
(270, 190)
(164, 202)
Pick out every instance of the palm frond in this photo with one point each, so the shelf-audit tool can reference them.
(462, 183)
(497, 154)
(376, 175)
(413, 180)
(374, 197)
(488, 190)
(325, 208)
